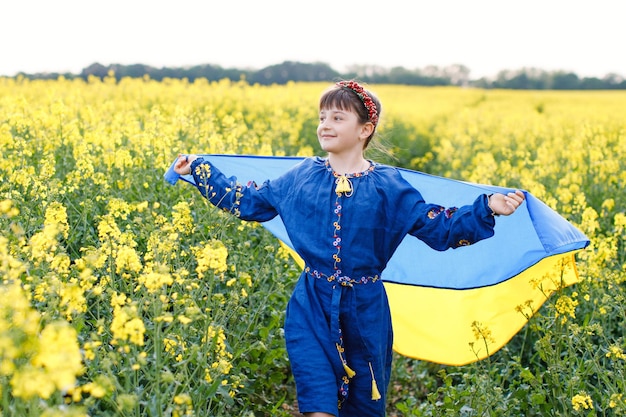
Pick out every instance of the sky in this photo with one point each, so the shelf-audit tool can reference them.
(582, 36)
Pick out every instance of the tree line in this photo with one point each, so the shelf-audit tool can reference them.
(453, 75)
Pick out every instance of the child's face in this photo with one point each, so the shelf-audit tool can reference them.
(339, 131)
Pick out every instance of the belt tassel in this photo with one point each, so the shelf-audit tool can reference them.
(349, 371)
(375, 393)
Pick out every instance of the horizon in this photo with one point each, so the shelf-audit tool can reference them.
(347, 70)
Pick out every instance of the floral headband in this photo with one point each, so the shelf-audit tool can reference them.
(372, 112)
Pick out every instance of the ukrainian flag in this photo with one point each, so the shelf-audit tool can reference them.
(457, 306)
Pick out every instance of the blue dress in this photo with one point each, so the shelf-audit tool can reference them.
(338, 325)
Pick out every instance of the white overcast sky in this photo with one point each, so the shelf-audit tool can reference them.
(586, 37)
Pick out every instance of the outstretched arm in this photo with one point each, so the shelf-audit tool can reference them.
(442, 228)
(506, 204)
(249, 202)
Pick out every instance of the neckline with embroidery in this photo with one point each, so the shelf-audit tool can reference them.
(366, 171)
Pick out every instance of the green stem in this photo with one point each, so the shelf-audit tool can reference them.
(157, 355)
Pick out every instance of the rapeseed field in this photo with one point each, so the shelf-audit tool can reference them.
(121, 295)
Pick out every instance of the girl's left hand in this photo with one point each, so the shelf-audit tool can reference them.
(183, 164)
(506, 204)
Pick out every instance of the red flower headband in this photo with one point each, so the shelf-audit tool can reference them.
(365, 98)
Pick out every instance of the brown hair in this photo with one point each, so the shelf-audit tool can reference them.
(345, 99)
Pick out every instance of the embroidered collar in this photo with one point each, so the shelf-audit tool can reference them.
(369, 169)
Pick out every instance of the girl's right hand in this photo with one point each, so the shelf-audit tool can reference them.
(183, 164)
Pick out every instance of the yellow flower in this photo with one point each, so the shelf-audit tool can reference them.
(182, 219)
(127, 325)
(54, 366)
(608, 204)
(216, 335)
(620, 222)
(61, 264)
(615, 352)
(582, 401)
(18, 326)
(182, 399)
(44, 244)
(165, 318)
(162, 245)
(245, 277)
(565, 306)
(127, 259)
(59, 354)
(482, 332)
(73, 299)
(11, 268)
(96, 390)
(56, 215)
(108, 231)
(207, 376)
(590, 224)
(155, 280)
(7, 209)
(211, 256)
(119, 208)
(615, 400)
(29, 382)
(222, 365)
(170, 345)
(118, 300)
(89, 349)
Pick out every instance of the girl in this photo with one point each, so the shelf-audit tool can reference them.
(345, 216)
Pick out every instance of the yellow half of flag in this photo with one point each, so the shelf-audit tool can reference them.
(457, 327)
